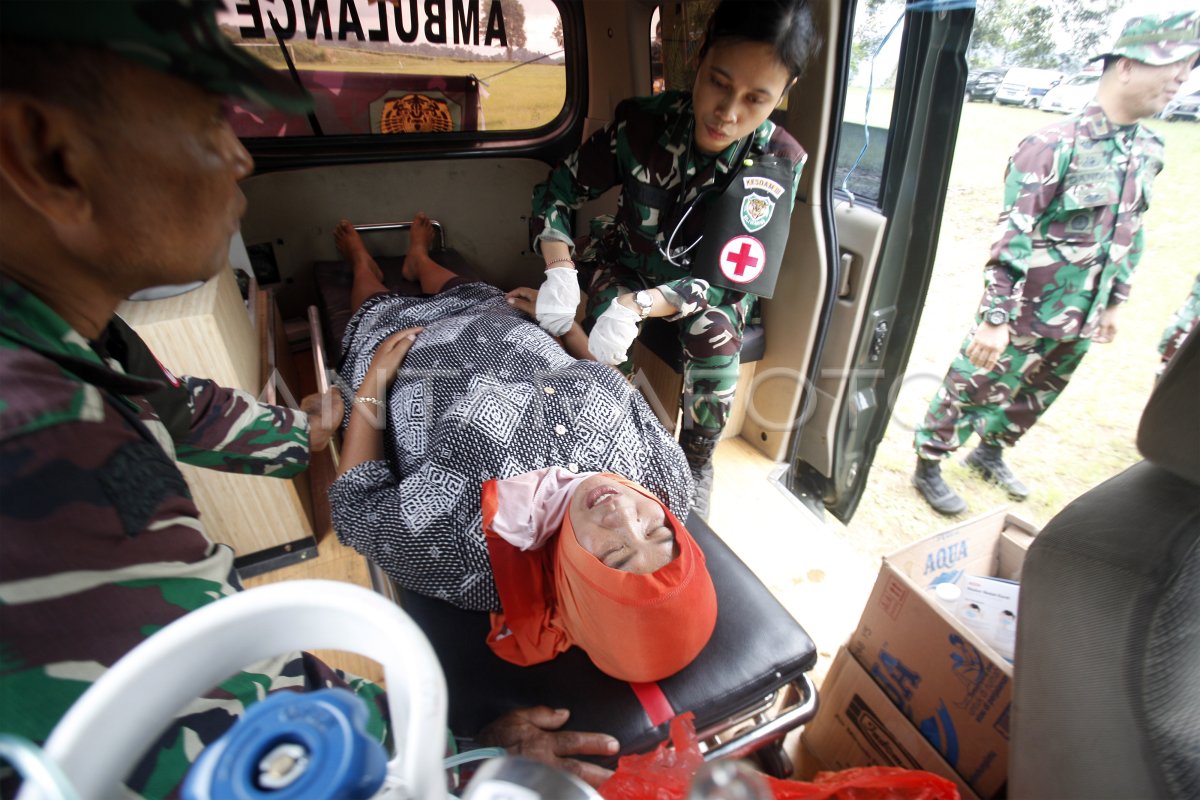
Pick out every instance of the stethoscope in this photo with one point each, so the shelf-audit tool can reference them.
(670, 252)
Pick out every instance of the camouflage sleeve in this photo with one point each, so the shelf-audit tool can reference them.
(584, 175)
(779, 142)
(1148, 154)
(103, 547)
(232, 432)
(1181, 323)
(690, 296)
(1031, 183)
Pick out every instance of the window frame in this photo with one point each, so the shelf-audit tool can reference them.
(549, 142)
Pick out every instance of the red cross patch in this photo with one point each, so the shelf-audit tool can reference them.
(742, 259)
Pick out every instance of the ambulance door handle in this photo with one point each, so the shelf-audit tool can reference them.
(845, 272)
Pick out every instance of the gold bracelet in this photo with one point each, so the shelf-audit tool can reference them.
(570, 261)
(375, 401)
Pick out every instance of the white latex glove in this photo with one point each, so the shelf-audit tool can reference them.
(557, 300)
(613, 333)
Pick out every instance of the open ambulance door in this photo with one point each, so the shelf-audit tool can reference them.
(885, 220)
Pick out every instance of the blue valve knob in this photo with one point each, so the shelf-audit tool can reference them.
(291, 746)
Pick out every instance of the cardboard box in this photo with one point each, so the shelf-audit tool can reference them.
(955, 688)
(857, 725)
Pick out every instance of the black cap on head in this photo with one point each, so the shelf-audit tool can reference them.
(178, 37)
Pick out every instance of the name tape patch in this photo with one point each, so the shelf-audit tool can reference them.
(750, 182)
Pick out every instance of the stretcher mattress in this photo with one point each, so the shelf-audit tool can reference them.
(756, 648)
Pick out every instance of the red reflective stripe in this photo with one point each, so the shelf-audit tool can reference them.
(654, 702)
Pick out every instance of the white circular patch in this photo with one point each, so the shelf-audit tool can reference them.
(742, 259)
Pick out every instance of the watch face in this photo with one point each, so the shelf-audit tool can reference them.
(644, 300)
(997, 316)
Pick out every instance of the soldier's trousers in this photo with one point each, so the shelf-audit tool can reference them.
(1000, 404)
(711, 342)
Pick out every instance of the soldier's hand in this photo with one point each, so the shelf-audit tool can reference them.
(987, 346)
(324, 417)
(534, 733)
(523, 299)
(1106, 327)
(557, 300)
(613, 333)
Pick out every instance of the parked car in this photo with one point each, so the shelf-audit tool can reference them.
(1072, 94)
(1025, 86)
(1186, 107)
(981, 85)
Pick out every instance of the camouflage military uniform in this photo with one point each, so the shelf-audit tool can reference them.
(1182, 322)
(102, 543)
(1068, 241)
(647, 151)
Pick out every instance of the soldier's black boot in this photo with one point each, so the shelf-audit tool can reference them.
(698, 447)
(988, 461)
(929, 482)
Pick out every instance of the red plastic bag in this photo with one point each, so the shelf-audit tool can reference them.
(662, 774)
(867, 783)
(666, 774)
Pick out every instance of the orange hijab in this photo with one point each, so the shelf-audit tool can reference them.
(636, 628)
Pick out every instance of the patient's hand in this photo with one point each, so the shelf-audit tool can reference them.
(389, 355)
(324, 417)
(534, 733)
(523, 299)
(574, 341)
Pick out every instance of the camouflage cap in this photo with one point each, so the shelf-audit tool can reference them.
(1158, 39)
(178, 37)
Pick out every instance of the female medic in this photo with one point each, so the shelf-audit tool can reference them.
(672, 154)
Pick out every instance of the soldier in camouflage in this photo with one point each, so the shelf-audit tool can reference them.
(1182, 323)
(1067, 244)
(667, 153)
(119, 173)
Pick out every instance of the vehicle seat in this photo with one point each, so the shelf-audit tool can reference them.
(1107, 679)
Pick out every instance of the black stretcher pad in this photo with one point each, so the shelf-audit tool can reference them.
(756, 648)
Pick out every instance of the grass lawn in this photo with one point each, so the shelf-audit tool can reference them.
(1089, 434)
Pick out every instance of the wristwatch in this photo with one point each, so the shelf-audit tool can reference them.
(645, 302)
(996, 316)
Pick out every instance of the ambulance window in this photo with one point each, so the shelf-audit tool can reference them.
(657, 75)
(403, 67)
(678, 28)
(874, 61)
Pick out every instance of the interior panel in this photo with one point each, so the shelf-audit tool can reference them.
(793, 316)
(860, 238)
(483, 205)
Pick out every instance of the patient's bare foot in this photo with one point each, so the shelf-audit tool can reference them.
(351, 246)
(420, 237)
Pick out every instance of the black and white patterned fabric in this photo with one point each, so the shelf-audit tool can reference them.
(483, 393)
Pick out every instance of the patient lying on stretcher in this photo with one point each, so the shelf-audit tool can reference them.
(485, 465)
